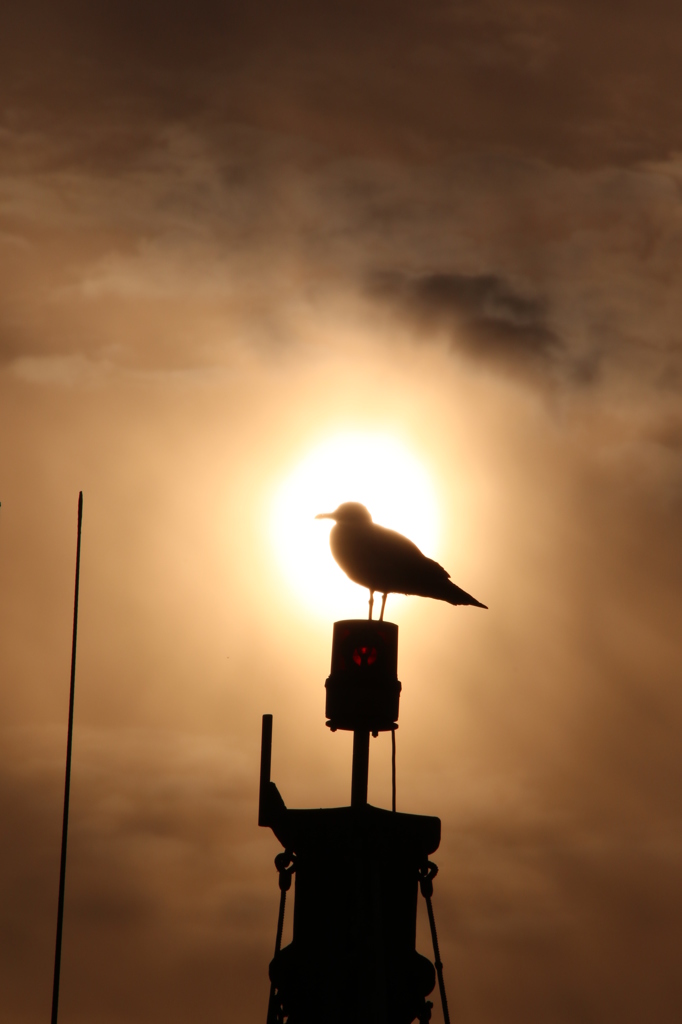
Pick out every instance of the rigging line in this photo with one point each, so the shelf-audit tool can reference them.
(280, 921)
(286, 865)
(67, 778)
(427, 873)
(438, 962)
(273, 1009)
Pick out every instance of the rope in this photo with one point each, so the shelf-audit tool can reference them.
(426, 877)
(393, 768)
(280, 921)
(286, 865)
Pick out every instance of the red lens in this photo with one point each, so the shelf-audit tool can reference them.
(364, 655)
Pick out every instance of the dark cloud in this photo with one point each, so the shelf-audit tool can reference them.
(202, 240)
(481, 313)
(577, 83)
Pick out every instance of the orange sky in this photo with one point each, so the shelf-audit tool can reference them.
(226, 236)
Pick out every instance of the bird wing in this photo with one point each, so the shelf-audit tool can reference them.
(384, 560)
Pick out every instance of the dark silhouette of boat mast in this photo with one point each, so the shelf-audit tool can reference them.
(352, 959)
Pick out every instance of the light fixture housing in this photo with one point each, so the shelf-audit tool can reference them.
(363, 689)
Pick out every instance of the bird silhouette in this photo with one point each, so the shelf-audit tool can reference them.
(386, 562)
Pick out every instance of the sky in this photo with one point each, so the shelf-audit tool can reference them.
(238, 243)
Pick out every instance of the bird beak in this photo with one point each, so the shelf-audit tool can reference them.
(325, 515)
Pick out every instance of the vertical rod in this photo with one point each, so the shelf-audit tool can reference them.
(67, 778)
(358, 789)
(393, 769)
(265, 768)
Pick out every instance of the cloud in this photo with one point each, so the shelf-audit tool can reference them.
(147, 814)
(481, 313)
(570, 82)
(207, 243)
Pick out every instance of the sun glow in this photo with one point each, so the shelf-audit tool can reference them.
(373, 469)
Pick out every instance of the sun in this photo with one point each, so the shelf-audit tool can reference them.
(376, 470)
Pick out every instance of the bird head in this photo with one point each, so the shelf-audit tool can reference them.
(348, 512)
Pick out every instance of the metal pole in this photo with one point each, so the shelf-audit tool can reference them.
(67, 780)
(265, 768)
(358, 789)
(393, 769)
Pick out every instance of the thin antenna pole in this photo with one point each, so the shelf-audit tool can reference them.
(67, 779)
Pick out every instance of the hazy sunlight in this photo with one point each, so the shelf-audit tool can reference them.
(373, 469)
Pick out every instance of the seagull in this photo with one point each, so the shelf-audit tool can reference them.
(386, 562)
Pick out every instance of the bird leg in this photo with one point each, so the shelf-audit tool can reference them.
(371, 602)
(383, 605)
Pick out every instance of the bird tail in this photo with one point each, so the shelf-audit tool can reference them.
(455, 595)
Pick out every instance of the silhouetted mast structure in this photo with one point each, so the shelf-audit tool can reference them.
(352, 959)
(67, 777)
